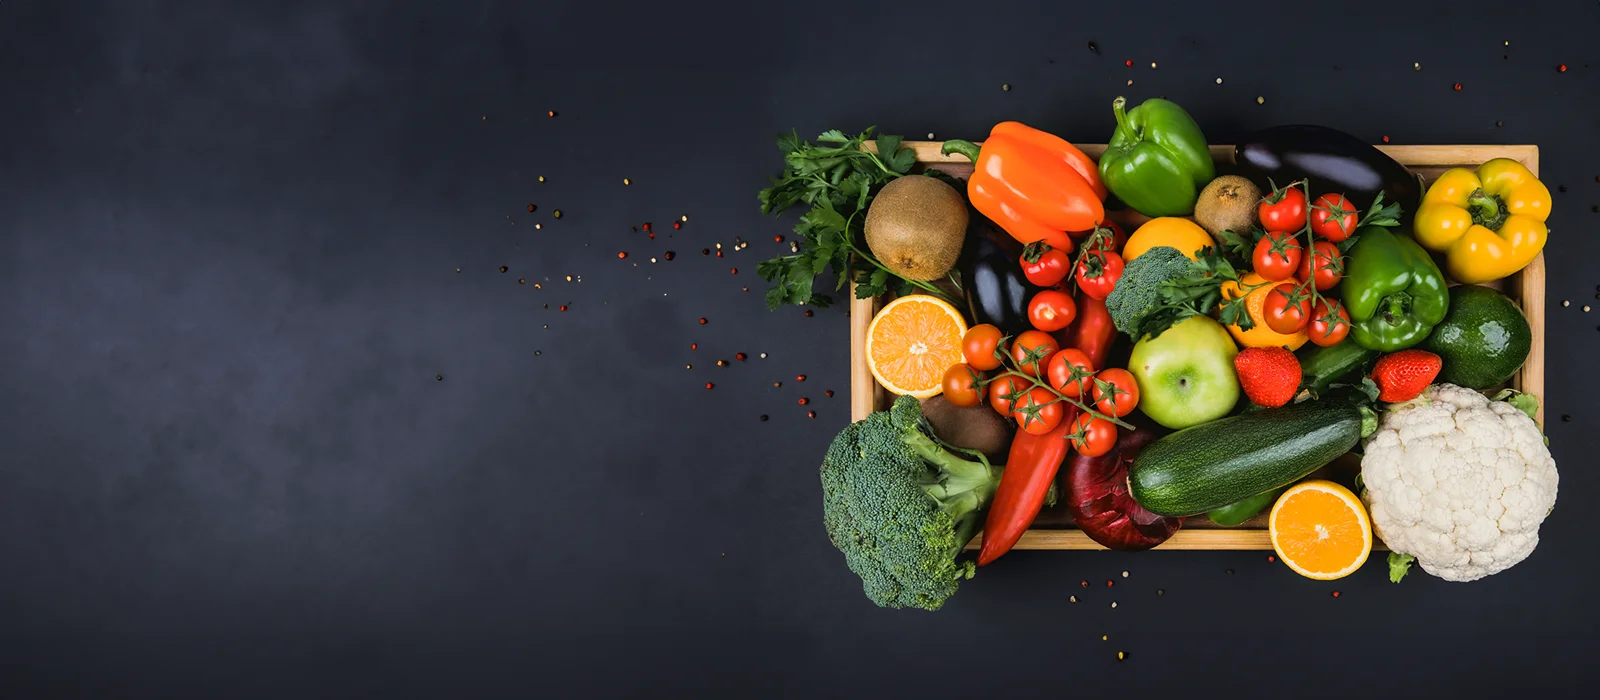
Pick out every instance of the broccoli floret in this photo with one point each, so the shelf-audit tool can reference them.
(901, 507)
(1138, 291)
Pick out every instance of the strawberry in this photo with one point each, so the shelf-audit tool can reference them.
(1401, 376)
(1269, 376)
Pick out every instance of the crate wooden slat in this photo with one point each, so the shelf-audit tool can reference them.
(1053, 529)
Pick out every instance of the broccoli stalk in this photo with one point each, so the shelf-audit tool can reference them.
(901, 507)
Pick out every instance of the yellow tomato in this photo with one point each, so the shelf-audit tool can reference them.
(1260, 336)
(1170, 231)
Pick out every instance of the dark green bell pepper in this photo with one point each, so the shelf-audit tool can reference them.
(1157, 161)
(1235, 514)
(1394, 292)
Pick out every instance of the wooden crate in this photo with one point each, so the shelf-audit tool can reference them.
(1053, 529)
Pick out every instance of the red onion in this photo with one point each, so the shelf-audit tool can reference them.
(1097, 496)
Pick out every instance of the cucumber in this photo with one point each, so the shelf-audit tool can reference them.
(1320, 366)
(1215, 464)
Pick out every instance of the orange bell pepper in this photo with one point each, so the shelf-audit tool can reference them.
(1033, 184)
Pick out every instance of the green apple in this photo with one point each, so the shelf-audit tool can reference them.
(1186, 375)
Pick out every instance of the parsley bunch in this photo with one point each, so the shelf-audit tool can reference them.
(837, 180)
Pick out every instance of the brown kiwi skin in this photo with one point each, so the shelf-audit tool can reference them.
(1228, 202)
(916, 226)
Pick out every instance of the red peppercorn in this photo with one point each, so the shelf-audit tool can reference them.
(808, 313)
(1108, 584)
(799, 377)
(829, 393)
(647, 226)
(739, 356)
(733, 270)
(563, 307)
(702, 321)
(811, 414)
(1271, 559)
(652, 235)
(1336, 594)
(531, 207)
(777, 239)
(1129, 63)
(1562, 68)
(621, 255)
(694, 346)
(677, 224)
(804, 401)
(1085, 584)
(1458, 87)
(669, 255)
(719, 253)
(709, 385)
(1385, 139)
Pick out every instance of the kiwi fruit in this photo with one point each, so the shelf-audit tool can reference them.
(916, 225)
(1227, 203)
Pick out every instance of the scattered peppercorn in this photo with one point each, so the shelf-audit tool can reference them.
(777, 384)
(1416, 66)
(503, 268)
(1561, 68)
(1566, 418)
(808, 313)
(1122, 656)
(458, 270)
(1458, 87)
(1561, 188)
(1161, 591)
(541, 178)
(1336, 594)
(829, 393)
(733, 270)
(709, 385)
(622, 254)
(1386, 139)
(538, 352)
(1072, 599)
(719, 253)
(1113, 603)
(694, 346)
(1005, 87)
(551, 112)
(811, 414)
(763, 418)
(1497, 122)
(558, 213)
(563, 307)
(1128, 63)
(804, 401)
(1094, 47)
(702, 321)
(705, 251)
(1109, 583)
(1271, 559)
(438, 377)
(531, 208)
(669, 255)
(777, 239)
(739, 356)
(1230, 572)
(1124, 574)
(1085, 584)
(799, 377)
(722, 363)
(626, 181)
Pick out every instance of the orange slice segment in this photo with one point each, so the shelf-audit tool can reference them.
(1321, 530)
(911, 343)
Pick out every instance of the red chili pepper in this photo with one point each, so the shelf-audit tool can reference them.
(1030, 469)
(1093, 332)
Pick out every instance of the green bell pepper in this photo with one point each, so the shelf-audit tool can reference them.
(1157, 160)
(1394, 292)
(1234, 514)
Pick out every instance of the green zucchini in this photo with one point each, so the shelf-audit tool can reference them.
(1321, 366)
(1215, 464)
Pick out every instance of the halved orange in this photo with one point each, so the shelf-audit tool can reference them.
(911, 343)
(1321, 530)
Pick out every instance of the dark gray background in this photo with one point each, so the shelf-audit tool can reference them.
(229, 235)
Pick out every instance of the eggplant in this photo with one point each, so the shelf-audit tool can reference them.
(1333, 161)
(991, 275)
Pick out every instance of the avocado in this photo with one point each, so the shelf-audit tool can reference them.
(1483, 340)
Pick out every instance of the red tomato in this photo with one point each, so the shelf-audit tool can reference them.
(963, 386)
(1043, 265)
(1329, 324)
(978, 346)
(1329, 265)
(1333, 217)
(1039, 412)
(1092, 436)
(1052, 310)
(1005, 391)
(1098, 272)
(1031, 349)
(1115, 392)
(1283, 210)
(1113, 243)
(1070, 372)
(1277, 256)
(1287, 307)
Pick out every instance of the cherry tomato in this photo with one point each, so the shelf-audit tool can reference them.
(978, 346)
(1112, 243)
(1287, 308)
(1004, 392)
(1333, 217)
(1098, 272)
(1330, 323)
(1092, 436)
(1070, 372)
(1115, 392)
(1039, 412)
(1283, 210)
(1329, 265)
(1043, 265)
(1052, 310)
(1031, 349)
(963, 386)
(1277, 256)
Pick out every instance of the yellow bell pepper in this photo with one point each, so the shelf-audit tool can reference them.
(1489, 223)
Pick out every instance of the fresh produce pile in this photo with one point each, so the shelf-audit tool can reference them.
(1253, 328)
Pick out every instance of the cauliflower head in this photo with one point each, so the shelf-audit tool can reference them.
(1458, 481)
